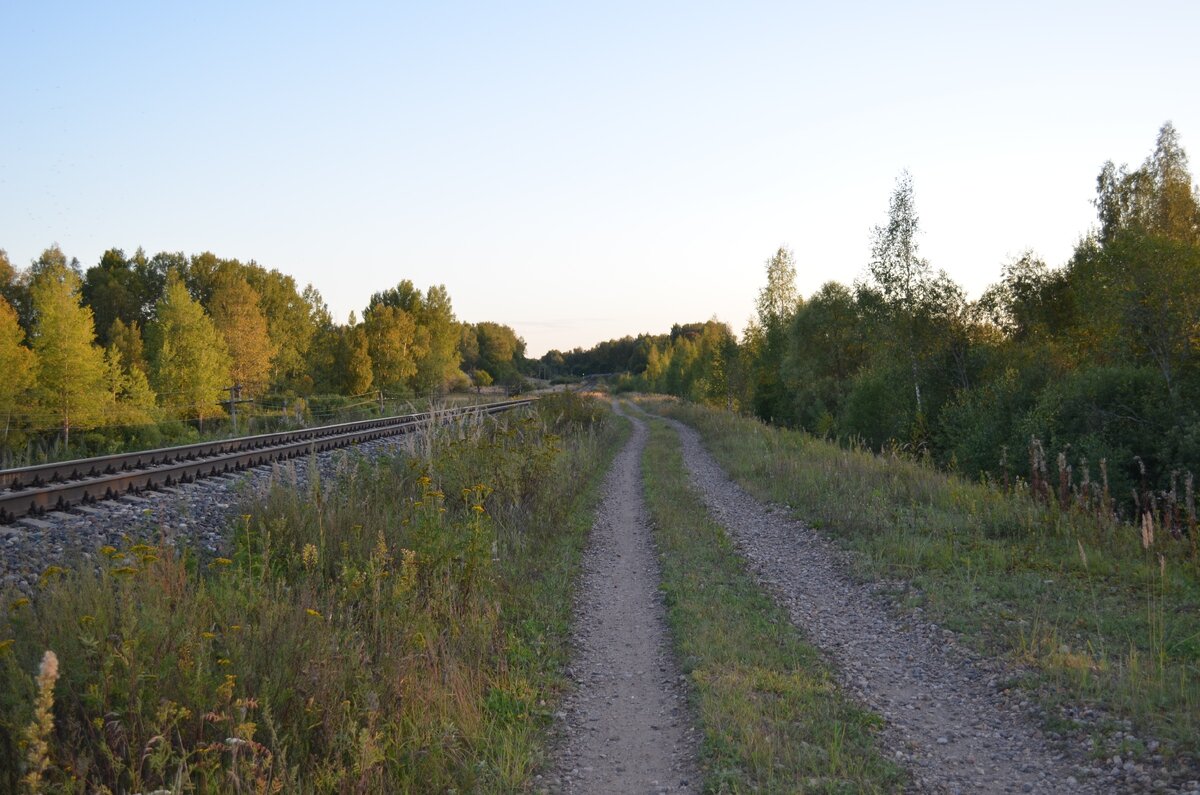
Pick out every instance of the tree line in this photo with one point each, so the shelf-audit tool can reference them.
(1097, 360)
(136, 343)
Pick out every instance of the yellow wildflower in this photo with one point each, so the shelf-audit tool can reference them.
(313, 613)
(309, 556)
(19, 603)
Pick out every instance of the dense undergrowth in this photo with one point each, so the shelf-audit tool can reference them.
(1105, 615)
(398, 629)
(772, 716)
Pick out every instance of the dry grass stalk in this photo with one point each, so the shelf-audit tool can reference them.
(37, 734)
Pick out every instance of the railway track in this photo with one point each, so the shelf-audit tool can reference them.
(31, 491)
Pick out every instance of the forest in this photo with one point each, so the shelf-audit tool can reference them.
(1086, 375)
(146, 350)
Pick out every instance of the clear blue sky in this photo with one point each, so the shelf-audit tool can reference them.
(579, 171)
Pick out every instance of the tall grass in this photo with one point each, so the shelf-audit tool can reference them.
(1105, 615)
(400, 628)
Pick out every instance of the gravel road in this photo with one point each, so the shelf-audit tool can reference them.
(946, 719)
(626, 727)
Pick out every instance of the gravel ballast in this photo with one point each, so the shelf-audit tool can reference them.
(197, 516)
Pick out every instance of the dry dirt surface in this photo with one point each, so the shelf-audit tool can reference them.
(946, 719)
(626, 726)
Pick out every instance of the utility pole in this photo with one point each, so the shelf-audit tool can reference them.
(235, 397)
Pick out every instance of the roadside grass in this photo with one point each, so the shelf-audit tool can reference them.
(1101, 617)
(772, 717)
(399, 629)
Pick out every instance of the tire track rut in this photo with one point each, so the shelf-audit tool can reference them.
(945, 718)
(626, 727)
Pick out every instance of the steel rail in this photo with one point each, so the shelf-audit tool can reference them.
(156, 469)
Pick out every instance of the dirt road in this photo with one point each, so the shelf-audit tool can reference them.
(626, 728)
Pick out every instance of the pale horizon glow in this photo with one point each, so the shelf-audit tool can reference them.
(578, 173)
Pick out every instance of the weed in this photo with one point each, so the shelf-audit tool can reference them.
(399, 626)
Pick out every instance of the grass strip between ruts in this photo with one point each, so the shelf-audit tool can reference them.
(772, 716)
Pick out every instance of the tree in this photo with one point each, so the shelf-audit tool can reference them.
(501, 351)
(777, 303)
(134, 399)
(234, 311)
(189, 360)
(129, 346)
(323, 348)
(71, 372)
(900, 274)
(437, 340)
(116, 289)
(390, 333)
(10, 285)
(778, 299)
(290, 322)
(1157, 199)
(16, 362)
(481, 378)
(1140, 276)
(354, 366)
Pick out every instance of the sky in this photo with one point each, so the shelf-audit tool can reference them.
(579, 171)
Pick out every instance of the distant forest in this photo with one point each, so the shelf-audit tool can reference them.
(145, 349)
(1095, 364)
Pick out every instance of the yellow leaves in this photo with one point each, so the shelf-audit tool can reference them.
(5, 645)
(312, 612)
